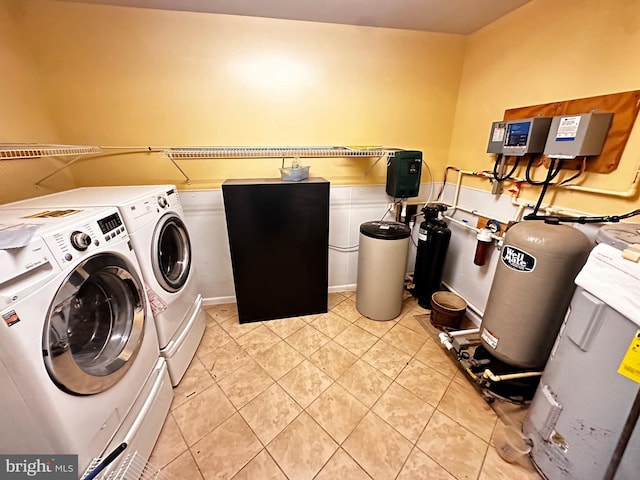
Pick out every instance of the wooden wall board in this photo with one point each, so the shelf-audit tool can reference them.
(625, 107)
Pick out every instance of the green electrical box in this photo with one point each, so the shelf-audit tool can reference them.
(403, 174)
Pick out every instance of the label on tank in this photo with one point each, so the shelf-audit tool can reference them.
(630, 365)
(490, 338)
(517, 259)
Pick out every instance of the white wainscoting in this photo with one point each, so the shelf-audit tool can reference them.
(349, 208)
(205, 219)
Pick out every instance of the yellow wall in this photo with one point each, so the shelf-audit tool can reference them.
(124, 76)
(550, 51)
(24, 116)
(91, 74)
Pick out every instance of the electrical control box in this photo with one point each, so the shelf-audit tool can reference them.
(525, 136)
(572, 136)
(403, 174)
(496, 137)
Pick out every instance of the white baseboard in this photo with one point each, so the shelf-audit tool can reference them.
(232, 299)
(343, 288)
(218, 300)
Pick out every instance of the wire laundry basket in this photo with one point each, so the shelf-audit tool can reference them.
(131, 467)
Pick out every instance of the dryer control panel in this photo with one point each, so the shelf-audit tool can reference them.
(168, 199)
(172, 198)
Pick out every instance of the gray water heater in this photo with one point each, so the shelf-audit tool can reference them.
(583, 421)
(403, 174)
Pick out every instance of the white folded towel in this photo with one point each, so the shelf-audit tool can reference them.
(613, 280)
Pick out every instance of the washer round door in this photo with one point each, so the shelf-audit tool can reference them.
(95, 325)
(171, 253)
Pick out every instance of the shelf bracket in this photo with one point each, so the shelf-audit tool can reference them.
(186, 177)
(66, 165)
(373, 165)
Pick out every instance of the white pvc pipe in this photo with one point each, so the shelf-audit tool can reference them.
(520, 212)
(549, 210)
(444, 340)
(476, 213)
(630, 192)
(468, 331)
(456, 197)
(499, 378)
(461, 223)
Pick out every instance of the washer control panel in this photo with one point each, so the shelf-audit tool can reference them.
(112, 226)
(80, 239)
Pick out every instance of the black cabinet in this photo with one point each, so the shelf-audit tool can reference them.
(278, 237)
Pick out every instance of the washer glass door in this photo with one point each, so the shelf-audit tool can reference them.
(95, 325)
(171, 253)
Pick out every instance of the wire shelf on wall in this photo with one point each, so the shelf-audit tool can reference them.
(21, 151)
(16, 151)
(194, 153)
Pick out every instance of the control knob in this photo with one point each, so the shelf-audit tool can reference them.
(163, 202)
(80, 240)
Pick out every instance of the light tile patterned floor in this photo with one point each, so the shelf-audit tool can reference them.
(329, 397)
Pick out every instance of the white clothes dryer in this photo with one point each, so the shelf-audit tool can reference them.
(79, 360)
(154, 218)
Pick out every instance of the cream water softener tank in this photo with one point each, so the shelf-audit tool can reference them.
(382, 265)
(583, 419)
(531, 291)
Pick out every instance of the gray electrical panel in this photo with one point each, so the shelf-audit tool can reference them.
(496, 138)
(578, 135)
(524, 136)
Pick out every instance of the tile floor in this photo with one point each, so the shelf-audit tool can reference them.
(331, 396)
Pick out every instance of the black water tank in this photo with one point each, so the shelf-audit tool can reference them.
(433, 242)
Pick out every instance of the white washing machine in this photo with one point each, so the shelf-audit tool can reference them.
(79, 361)
(154, 218)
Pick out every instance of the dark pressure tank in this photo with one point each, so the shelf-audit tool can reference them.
(531, 291)
(433, 242)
